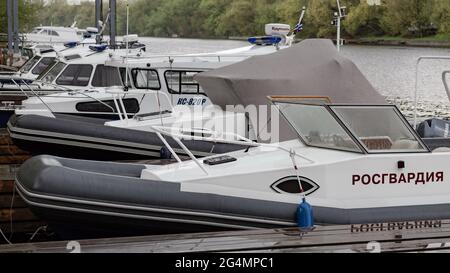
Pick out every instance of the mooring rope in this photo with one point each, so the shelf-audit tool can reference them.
(4, 237)
(44, 228)
(11, 231)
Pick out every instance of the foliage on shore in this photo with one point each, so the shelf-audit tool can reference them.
(225, 18)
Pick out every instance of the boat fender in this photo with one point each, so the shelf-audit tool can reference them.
(305, 216)
(165, 153)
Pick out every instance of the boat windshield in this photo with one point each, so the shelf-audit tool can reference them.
(380, 129)
(47, 69)
(36, 30)
(30, 64)
(51, 75)
(42, 65)
(362, 129)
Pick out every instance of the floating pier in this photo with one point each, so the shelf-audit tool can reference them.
(421, 236)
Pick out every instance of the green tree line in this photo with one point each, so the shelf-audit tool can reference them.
(224, 18)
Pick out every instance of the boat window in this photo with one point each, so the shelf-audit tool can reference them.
(122, 77)
(27, 52)
(145, 78)
(52, 33)
(182, 82)
(42, 65)
(106, 76)
(36, 30)
(30, 64)
(49, 67)
(290, 185)
(317, 127)
(380, 128)
(107, 106)
(51, 75)
(75, 75)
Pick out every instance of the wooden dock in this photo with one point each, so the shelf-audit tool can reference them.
(425, 236)
(16, 220)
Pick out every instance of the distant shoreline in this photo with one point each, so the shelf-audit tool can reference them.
(383, 42)
(400, 42)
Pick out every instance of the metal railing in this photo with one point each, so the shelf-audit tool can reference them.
(120, 106)
(444, 80)
(83, 93)
(173, 58)
(419, 60)
(178, 134)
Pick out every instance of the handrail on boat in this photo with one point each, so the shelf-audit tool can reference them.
(172, 58)
(444, 80)
(419, 60)
(31, 89)
(66, 89)
(118, 100)
(215, 137)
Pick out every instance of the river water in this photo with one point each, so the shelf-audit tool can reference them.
(391, 70)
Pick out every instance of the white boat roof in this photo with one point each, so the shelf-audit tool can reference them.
(57, 28)
(202, 60)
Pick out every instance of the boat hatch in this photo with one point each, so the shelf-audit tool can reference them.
(153, 115)
(72, 57)
(219, 160)
(361, 129)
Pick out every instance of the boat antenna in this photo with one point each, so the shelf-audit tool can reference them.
(48, 32)
(297, 28)
(338, 17)
(299, 25)
(126, 45)
(105, 23)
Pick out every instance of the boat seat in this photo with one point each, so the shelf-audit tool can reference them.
(405, 144)
(442, 150)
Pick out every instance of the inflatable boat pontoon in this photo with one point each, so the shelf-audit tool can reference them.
(82, 199)
(89, 138)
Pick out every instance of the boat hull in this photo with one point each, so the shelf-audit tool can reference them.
(87, 199)
(89, 138)
(91, 199)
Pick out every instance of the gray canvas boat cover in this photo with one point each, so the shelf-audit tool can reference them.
(311, 68)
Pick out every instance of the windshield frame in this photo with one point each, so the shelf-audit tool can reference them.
(357, 141)
(42, 76)
(50, 67)
(26, 67)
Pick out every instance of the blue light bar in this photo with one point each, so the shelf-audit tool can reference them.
(71, 44)
(265, 40)
(98, 48)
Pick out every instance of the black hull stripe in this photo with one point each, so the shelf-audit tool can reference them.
(106, 144)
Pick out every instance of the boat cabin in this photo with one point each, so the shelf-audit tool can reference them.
(171, 75)
(52, 34)
(32, 68)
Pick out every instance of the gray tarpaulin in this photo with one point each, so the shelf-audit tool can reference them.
(311, 68)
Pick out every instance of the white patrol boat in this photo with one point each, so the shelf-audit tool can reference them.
(356, 164)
